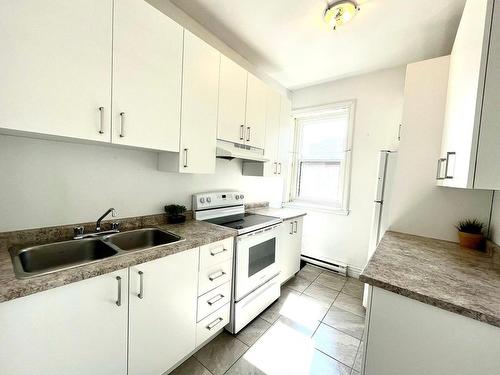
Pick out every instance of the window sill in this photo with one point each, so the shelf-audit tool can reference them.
(317, 208)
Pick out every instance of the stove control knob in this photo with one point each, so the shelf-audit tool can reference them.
(242, 196)
(202, 200)
(209, 199)
(237, 196)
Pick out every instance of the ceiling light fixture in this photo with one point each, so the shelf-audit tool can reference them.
(340, 12)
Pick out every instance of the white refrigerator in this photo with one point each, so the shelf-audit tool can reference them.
(380, 219)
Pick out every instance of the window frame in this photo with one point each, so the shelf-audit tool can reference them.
(345, 175)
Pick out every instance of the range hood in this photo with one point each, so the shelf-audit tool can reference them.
(230, 150)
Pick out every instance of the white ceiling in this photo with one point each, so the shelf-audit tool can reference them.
(288, 39)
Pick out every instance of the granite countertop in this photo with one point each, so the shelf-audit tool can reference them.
(438, 273)
(196, 233)
(284, 213)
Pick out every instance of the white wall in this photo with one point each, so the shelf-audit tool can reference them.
(45, 183)
(379, 102)
(418, 206)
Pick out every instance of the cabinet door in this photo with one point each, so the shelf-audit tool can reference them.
(255, 131)
(285, 144)
(232, 99)
(488, 153)
(465, 87)
(55, 69)
(273, 116)
(162, 314)
(147, 69)
(74, 329)
(286, 250)
(200, 88)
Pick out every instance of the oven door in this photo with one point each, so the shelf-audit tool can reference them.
(255, 260)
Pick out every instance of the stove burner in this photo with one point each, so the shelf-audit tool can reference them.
(244, 221)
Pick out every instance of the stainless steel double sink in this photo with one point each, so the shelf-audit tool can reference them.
(45, 259)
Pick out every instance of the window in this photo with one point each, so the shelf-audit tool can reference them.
(322, 156)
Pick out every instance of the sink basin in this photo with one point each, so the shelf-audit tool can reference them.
(43, 259)
(141, 239)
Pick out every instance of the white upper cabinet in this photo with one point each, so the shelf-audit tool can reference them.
(147, 74)
(242, 106)
(488, 153)
(255, 120)
(162, 312)
(232, 101)
(55, 69)
(200, 90)
(470, 152)
(273, 118)
(285, 144)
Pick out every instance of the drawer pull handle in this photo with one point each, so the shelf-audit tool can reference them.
(215, 299)
(214, 323)
(216, 275)
(119, 300)
(215, 252)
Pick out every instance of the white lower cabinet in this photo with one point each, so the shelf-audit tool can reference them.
(74, 329)
(162, 312)
(139, 321)
(405, 336)
(290, 247)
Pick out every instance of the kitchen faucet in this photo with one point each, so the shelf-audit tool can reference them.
(98, 223)
(79, 230)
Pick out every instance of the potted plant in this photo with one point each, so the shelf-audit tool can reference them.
(175, 213)
(470, 234)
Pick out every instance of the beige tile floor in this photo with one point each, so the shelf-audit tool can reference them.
(315, 327)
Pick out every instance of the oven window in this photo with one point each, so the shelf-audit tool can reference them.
(261, 256)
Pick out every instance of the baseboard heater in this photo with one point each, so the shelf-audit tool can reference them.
(339, 268)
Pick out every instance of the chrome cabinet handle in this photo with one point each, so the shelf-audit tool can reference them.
(248, 133)
(122, 124)
(291, 230)
(214, 253)
(448, 154)
(296, 225)
(399, 132)
(214, 323)
(119, 300)
(101, 120)
(216, 275)
(439, 168)
(216, 299)
(242, 127)
(275, 168)
(185, 158)
(141, 285)
(279, 172)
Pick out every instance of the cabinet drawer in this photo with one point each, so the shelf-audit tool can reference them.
(212, 324)
(213, 300)
(216, 252)
(211, 277)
